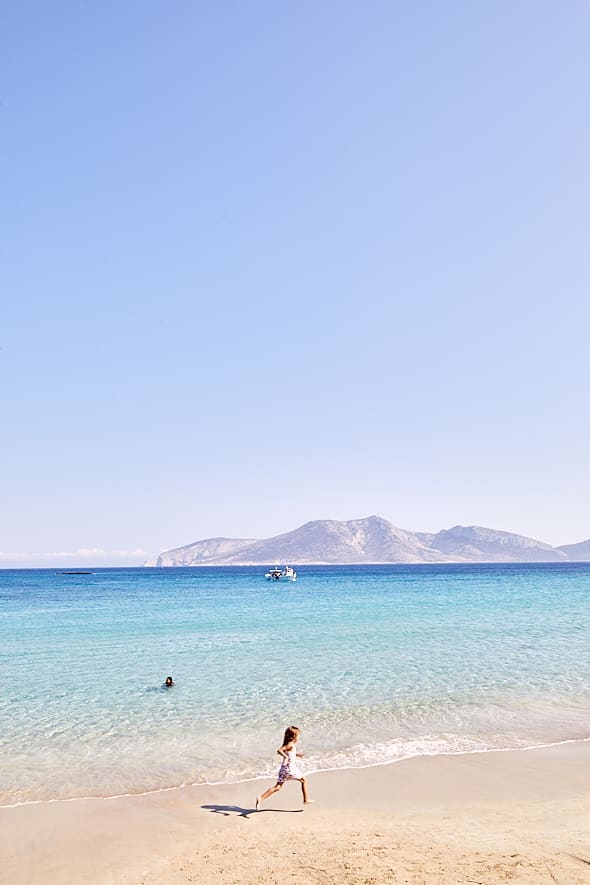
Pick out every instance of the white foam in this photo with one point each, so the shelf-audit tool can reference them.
(311, 771)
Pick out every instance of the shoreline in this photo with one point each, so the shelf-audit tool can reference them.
(322, 564)
(98, 569)
(474, 808)
(311, 773)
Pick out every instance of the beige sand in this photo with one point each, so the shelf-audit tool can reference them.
(521, 817)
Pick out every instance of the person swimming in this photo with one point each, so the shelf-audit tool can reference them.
(169, 682)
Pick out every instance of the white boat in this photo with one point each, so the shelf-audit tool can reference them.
(286, 573)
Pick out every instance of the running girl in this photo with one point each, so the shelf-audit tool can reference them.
(289, 770)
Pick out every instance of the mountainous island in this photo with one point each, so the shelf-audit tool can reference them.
(371, 540)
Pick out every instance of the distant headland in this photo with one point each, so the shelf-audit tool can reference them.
(371, 540)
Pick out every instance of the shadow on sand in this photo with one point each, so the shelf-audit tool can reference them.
(238, 811)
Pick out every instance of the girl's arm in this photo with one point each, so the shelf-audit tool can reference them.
(282, 750)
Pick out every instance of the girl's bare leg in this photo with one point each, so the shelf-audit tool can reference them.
(306, 798)
(267, 793)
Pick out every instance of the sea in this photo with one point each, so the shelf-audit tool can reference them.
(374, 663)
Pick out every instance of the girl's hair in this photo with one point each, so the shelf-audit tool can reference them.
(290, 734)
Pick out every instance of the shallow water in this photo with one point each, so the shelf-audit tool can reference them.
(373, 663)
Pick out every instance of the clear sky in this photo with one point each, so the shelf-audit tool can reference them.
(268, 262)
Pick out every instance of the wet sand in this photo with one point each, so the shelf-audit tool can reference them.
(516, 816)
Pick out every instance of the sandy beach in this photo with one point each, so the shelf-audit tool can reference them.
(515, 816)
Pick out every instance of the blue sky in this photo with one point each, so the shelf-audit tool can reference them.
(269, 262)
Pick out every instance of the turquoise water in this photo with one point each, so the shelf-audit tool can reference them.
(373, 663)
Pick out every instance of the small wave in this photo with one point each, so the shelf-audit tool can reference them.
(349, 766)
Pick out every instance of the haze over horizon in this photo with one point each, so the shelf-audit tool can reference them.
(95, 557)
(271, 264)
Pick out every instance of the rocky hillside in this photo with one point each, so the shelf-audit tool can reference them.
(329, 541)
(476, 544)
(371, 540)
(577, 552)
(202, 552)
